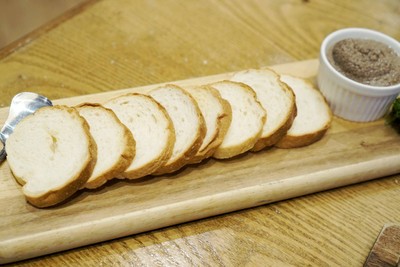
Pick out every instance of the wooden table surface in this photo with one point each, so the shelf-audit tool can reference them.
(113, 44)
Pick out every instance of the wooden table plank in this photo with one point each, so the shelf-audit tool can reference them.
(386, 250)
(136, 43)
(23, 21)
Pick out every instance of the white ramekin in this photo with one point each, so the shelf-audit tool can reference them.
(347, 98)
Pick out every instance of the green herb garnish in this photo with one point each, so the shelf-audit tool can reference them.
(393, 117)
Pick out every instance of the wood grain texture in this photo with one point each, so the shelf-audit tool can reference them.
(133, 43)
(346, 155)
(20, 17)
(25, 20)
(386, 250)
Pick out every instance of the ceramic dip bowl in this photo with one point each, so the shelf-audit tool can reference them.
(349, 99)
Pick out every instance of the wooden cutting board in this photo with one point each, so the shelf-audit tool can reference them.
(386, 250)
(349, 153)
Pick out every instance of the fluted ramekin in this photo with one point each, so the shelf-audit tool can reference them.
(347, 98)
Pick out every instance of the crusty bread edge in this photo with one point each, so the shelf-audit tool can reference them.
(125, 158)
(155, 165)
(294, 141)
(229, 152)
(151, 166)
(223, 121)
(289, 141)
(194, 147)
(54, 197)
(280, 132)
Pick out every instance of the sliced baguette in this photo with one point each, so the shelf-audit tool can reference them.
(52, 154)
(188, 123)
(248, 118)
(276, 98)
(217, 115)
(152, 129)
(313, 114)
(115, 143)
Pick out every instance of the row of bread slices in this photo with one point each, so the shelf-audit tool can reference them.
(61, 149)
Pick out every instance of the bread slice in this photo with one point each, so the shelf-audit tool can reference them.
(151, 128)
(276, 98)
(188, 123)
(248, 118)
(217, 115)
(52, 154)
(313, 114)
(115, 143)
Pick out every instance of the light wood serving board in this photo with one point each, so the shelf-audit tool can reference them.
(349, 153)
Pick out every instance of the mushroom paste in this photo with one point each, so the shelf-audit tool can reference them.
(366, 61)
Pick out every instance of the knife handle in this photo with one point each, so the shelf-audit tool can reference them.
(3, 154)
(3, 151)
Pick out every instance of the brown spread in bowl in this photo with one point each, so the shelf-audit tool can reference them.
(366, 61)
